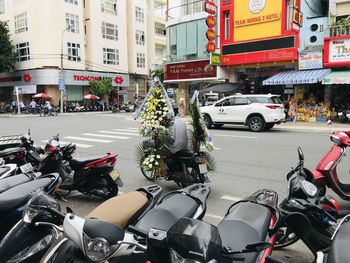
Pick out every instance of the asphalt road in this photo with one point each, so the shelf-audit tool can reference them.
(246, 161)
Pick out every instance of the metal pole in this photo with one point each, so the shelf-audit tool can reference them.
(61, 71)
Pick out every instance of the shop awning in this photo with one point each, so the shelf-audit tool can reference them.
(337, 77)
(298, 77)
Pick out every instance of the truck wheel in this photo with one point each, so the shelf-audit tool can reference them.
(207, 121)
(256, 124)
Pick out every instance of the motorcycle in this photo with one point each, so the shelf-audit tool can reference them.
(96, 239)
(90, 175)
(184, 167)
(305, 202)
(253, 221)
(343, 115)
(27, 157)
(15, 193)
(7, 170)
(26, 242)
(45, 112)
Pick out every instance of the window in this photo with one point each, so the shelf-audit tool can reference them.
(21, 24)
(109, 31)
(241, 101)
(227, 25)
(110, 56)
(109, 7)
(2, 6)
(73, 51)
(159, 31)
(23, 51)
(139, 14)
(74, 2)
(73, 22)
(140, 37)
(140, 60)
(159, 52)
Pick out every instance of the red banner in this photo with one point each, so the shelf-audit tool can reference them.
(190, 70)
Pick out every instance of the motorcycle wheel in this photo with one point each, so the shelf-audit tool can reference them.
(286, 238)
(194, 173)
(42, 114)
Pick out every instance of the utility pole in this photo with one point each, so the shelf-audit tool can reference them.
(61, 85)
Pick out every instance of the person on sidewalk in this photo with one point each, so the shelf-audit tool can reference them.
(182, 107)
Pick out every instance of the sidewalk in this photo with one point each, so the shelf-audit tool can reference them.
(9, 115)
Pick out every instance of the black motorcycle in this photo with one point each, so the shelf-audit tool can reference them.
(28, 242)
(189, 202)
(185, 167)
(305, 202)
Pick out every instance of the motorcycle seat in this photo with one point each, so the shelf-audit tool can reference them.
(9, 151)
(130, 204)
(249, 223)
(338, 252)
(4, 169)
(183, 154)
(18, 196)
(81, 161)
(12, 181)
(168, 212)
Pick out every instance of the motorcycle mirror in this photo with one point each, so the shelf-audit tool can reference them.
(301, 154)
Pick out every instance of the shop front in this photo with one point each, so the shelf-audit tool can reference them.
(184, 78)
(30, 82)
(308, 100)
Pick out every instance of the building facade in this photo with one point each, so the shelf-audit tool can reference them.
(95, 39)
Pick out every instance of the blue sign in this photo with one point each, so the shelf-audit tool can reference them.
(61, 85)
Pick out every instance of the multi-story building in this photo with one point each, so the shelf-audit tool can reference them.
(95, 39)
(187, 66)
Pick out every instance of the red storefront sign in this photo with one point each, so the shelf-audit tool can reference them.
(211, 47)
(211, 21)
(189, 70)
(337, 51)
(211, 35)
(210, 7)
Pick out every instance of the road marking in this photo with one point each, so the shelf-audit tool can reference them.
(87, 139)
(231, 198)
(214, 216)
(235, 136)
(132, 128)
(121, 133)
(81, 145)
(106, 136)
(127, 130)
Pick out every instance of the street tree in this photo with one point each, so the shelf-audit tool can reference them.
(8, 52)
(158, 73)
(101, 88)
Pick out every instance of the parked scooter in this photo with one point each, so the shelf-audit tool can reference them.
(306, 202)
(7, 170)
(246, 234)
(26, 242)
(15, 193)
(344, 115)
(90, 175)
(99, 240)
(184, 167)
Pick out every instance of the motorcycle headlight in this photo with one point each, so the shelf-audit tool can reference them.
(98, 249)
(309, 188)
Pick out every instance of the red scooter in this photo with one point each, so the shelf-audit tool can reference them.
(325, 173)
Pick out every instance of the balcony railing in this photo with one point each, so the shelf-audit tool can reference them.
(339, 30)
(159, 31)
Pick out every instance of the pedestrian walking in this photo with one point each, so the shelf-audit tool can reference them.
(182, 107)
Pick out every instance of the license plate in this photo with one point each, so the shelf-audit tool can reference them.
(26, 168)
(203, 168)
(114, 174)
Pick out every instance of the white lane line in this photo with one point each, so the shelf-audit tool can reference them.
(231, 198)
(121, 133)
(80, 145)
(214, 216)
(127, 130)
(87, 139)
(235, 136)
(106, 136)
(131, 128)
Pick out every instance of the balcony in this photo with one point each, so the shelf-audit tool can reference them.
(335, 31)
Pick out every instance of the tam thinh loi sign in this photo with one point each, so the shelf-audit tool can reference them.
(189, 70)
